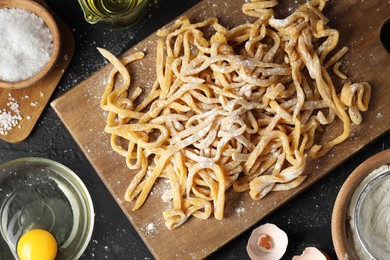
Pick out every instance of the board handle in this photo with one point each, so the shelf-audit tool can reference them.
(385, 34)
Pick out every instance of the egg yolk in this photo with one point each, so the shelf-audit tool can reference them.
(37, 244)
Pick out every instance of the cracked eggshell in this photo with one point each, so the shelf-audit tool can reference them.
(279, 241)
(311, 253)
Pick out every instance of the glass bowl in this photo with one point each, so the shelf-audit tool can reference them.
(114, 14)
(40, 193)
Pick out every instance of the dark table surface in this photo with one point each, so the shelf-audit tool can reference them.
(306, 219)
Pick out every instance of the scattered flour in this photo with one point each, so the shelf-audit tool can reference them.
(150, 228)
(240, 211)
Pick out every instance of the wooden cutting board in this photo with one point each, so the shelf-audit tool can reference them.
(32, 100)
(359, 23)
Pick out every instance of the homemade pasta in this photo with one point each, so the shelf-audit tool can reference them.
(237, 108)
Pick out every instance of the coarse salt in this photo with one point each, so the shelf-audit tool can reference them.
(9, 118)
(26, 44)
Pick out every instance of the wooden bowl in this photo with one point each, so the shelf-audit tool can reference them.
(339, 216)
(43, 13)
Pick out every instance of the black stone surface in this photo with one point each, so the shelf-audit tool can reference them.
(306, 219)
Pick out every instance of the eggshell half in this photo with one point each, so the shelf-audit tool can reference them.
(279, 243)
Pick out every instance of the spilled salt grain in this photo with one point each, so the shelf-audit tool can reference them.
(26, 44)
